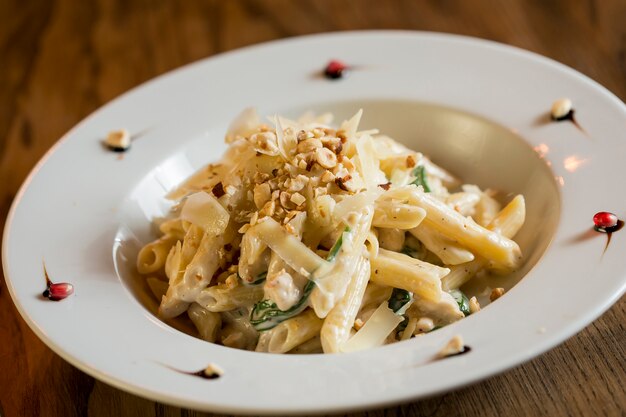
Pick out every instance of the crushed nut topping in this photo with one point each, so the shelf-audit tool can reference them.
(474, 305)
(312, 164)
(298, 199)
(496, 293)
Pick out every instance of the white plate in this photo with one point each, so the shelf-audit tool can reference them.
(84, 212)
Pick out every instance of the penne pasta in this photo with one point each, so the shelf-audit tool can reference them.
(507, 222)
(467, 232)
(152, 257)
(225, 297)
(291, 333)
(207, 322)
(401, 271)
(449, 251)
(397, 215)
(336, 328)
(308, 238)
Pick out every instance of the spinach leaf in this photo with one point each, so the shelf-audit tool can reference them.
(420, 178)
(400, 301)
(462, 300)
(266, 315)
(334, 251)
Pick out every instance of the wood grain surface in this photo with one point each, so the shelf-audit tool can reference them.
(60, 60)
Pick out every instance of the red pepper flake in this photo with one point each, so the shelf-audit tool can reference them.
(410, 161)
(218, 190)
(385, 186)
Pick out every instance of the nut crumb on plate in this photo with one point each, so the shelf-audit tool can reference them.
(453, 347)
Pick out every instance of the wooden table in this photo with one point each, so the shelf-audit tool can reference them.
(61, 60)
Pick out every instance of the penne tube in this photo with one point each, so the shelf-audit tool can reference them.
(489, 244)
(372, 245)
(397, 215)
(310, 346)
(207, 323)
(295, 253)
(173, 227)
(375, 294)
(293, 332)
(201, 268)
(338, 323)
(331, 283)
(401, 271)
(157, 286)
(225, 297)
(254, 257)
(152, 257)
(507, 222)
(511, 218)
(449, 251)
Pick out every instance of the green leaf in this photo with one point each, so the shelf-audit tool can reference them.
(400, 300)
(462, 300)
(420, 178)
(266, 315)
(334, 251)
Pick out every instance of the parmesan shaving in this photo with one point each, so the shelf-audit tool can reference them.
(375, 331)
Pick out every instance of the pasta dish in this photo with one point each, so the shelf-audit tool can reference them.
(310, 238)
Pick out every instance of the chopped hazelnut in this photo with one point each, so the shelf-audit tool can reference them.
(262, 194)
(309, 145)
(285, 200)
(213, 371)
(496, 293)
(474, 305)
(261, 177)
(265, 143)
(327, 176)
(325, 157)
(290, 229)
(268, 209)
(298, 183)
(424, 325)
(118, 140)
(358, 324)
(298, 199)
